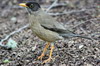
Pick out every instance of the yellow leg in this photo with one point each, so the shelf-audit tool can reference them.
(49, 59)
(44, 50)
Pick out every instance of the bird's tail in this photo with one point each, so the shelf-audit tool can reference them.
(74, 35)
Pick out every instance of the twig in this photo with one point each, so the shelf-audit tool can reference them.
(86, 33)
(95, 33)
(12, 33)
(54, 3)
(83, 30)
(69, 12)
(85, 22)
(59, 4)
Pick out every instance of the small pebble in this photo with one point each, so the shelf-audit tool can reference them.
(81, 46)
(33, 48)
(14, 19)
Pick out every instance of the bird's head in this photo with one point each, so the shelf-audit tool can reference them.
(31, 6)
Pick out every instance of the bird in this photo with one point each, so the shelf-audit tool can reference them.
(46, 27)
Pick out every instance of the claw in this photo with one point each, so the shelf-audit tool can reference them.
(40, 57)
(50, 56)
(43, 53)
(48, 60)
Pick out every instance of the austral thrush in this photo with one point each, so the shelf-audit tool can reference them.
(46, 27)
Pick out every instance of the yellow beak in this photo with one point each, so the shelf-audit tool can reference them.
(23, 4)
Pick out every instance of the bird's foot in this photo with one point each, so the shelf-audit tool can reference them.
(48, 60)
(45, 49)
(41, 56)
(50, 56)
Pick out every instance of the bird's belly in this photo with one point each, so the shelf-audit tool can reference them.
(47, 38)
(47, 35)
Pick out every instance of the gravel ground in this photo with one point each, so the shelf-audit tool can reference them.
(68, 52)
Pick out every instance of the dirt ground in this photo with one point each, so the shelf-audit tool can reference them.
(68, 52)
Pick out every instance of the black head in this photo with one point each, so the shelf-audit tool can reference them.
(34, 6)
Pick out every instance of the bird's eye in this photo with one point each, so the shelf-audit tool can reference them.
(31, 6)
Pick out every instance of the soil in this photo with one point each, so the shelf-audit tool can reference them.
(68, 52)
